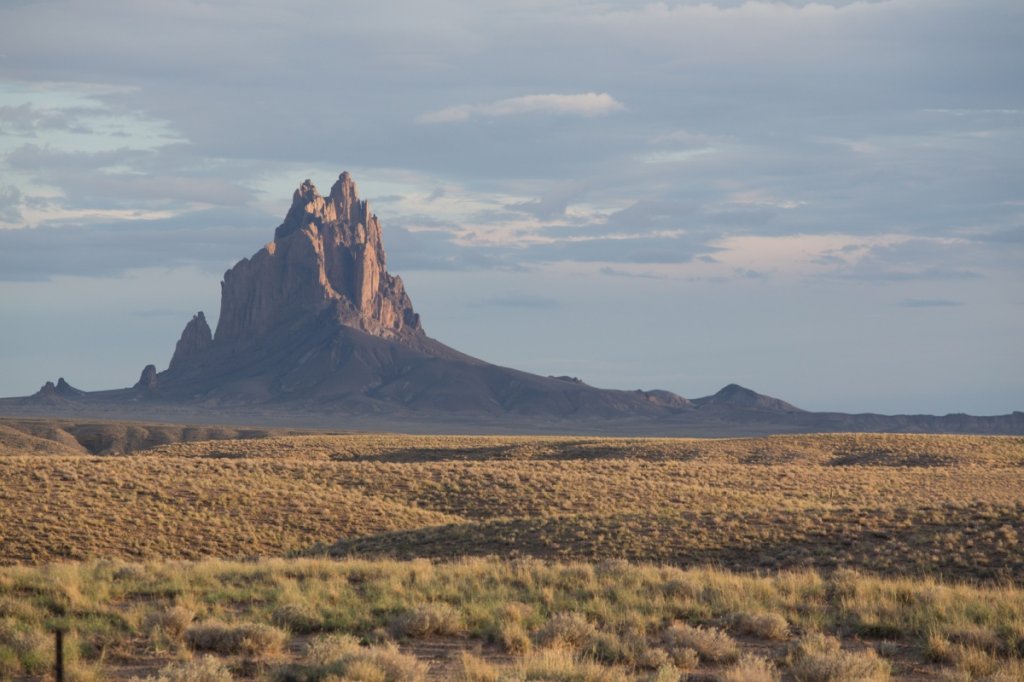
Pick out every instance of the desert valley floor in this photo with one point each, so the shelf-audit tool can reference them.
(307, 556)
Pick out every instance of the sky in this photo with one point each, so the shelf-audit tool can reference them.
(821, 201)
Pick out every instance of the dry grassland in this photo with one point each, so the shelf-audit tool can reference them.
(493, 619)
(946, 506)
(812, 558)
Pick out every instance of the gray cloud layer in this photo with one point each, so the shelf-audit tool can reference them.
(875, 147)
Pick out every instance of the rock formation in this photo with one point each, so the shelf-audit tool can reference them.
(315, 318)
(147, 380)
(313, 324)
(326, 255)
(62, 389)
(194, 342)
(735, 395)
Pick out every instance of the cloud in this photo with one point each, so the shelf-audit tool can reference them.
(27, 120)
(437, 250)
(911, 259)
(929, 303)
(586, 104)
(211, 240)
(520, 301)
(618, 272)
(78, 186)
(10, 202)
(1010, 236)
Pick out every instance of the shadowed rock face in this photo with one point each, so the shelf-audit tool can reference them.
(147, 380)
(327, 255)
(194, 342)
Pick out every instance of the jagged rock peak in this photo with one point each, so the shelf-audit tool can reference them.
(344, 191)
(147, 380)
(327, 254)
(195, 339)
(342, 205)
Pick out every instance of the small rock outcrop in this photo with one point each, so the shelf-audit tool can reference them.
(62, 389)
(147, 381)
(195, 340)
(736, 396)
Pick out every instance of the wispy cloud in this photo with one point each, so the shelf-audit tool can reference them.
(521, 301)
(929, 303)
(584, 104)
(619, 272)
(10, 200)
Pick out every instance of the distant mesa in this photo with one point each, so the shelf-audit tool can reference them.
(314, 323)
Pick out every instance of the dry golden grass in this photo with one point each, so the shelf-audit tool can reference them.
(70, 436)
(922, 505)
(824, 449)
(474, 668)
(39, 440)
(764, 625)
(428, 620)
(247, 639)
(142, 507)
(750, 668)
(816, 522)
(820, 658)
(711, 644)
(342, 657)
(612, 621)
(206, 669)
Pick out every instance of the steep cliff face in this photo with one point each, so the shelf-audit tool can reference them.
(327, 255)
(194, 342)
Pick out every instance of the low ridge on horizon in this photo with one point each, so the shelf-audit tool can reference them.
(314, 320)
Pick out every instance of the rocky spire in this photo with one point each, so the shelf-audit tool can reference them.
(194, 341)
(328, 254)
(148, 379)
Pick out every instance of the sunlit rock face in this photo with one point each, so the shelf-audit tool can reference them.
(327, 255)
